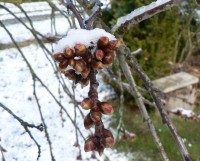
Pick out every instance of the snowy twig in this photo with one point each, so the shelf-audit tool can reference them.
(149, 85)
(143, 13)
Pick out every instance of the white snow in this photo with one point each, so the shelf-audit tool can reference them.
(138, 12)
(183, 112)
(15, 91)
(82, 36)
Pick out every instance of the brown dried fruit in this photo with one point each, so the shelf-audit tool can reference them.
(108, 60)
(98, 65)
(86, 72)
(63, 64)
(70, 74)
(107, 142)
(90, 144)
(58, 57)
(84, 82)
(99, 54)
(106, 108)
(95, 116)
(103, 42)
(80, 65)
(80, 49)
(68, 53)
(72, 62)
(87, 103)
(88, 123)
(114, 44)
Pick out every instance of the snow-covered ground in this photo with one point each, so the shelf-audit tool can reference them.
(16, 92)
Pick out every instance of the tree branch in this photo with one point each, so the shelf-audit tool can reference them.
(141, 14)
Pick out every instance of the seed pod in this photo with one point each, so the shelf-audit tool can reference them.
(103, 42)
(70, 74)
(90, 144)
(99, 54)
(87, 103)
(63, 64)
(80, 49)
(68, 53)
(72, 62)
(84, 82)
(100, 150)
(98, 65)
(107, 142)
(107, 133)
(106, 108)
(58, 57)
(108, 60)
(86, 72)
(80, 65)
(88, 123)
(95, 116)
(114, 44)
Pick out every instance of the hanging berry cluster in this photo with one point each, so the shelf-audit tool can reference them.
(80, 64)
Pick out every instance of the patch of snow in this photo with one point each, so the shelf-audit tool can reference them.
(16, 89)
(183, 112)
(86, 37)
(138, 12)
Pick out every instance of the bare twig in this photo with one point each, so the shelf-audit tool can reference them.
(149, 85)
(139, 101)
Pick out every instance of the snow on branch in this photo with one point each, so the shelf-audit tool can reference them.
(143, 13)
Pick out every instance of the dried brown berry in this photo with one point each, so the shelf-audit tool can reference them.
(86, 72)
(106, 108)
(80, 49)
(88, 123)
(87, 103)
(84, 82)
(114, 44)
(90, 144)
(98, 65)
(95, 116)
(99, 54)
(103, 42)
(63, 64)
(100, 150)
(68, 53)
(70, 74)
(107, 142)
(72, 62)
(80, 65)
(58, 57)
(108, 60)
(107, 133)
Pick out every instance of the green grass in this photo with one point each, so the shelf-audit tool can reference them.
(143, 147)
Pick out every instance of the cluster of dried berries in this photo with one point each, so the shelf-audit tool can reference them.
(77, 64)
(102, 138)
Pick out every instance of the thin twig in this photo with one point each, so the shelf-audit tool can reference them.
(149, 85)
